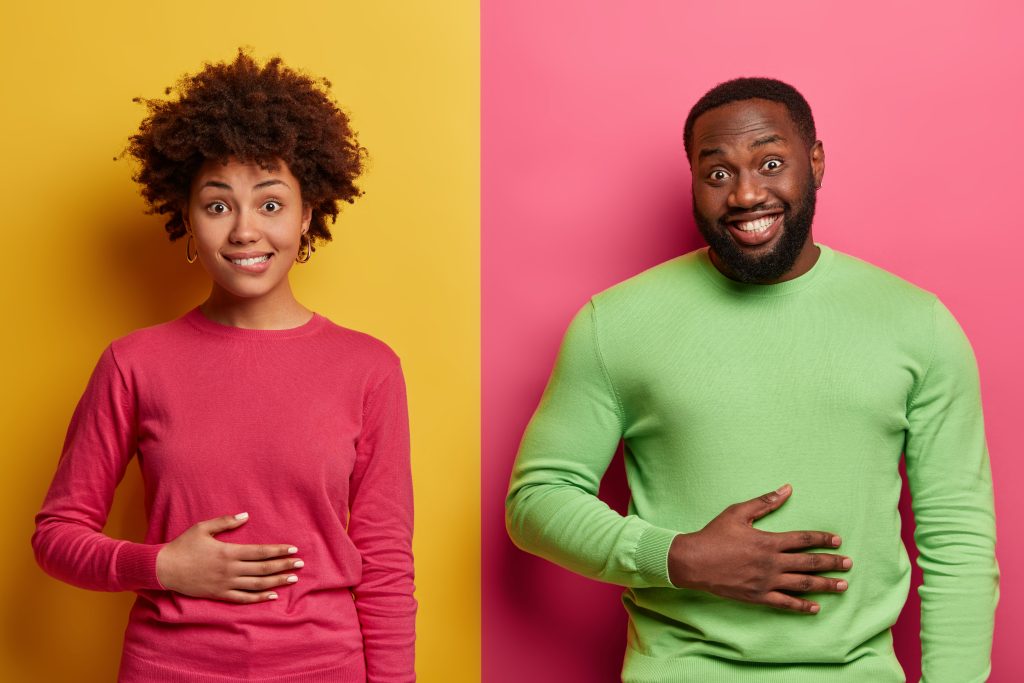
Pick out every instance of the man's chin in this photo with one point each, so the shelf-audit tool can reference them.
(753, 264)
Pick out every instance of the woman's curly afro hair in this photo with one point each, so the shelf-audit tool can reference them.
(252, 113)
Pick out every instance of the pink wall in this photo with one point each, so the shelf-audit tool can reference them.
(585, 183)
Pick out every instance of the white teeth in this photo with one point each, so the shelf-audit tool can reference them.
(250, 261)
(758, 225)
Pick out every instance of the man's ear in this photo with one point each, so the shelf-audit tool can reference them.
(818, 162)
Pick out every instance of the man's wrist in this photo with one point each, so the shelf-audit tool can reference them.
(678, 564)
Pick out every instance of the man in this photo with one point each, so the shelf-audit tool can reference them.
(762, 359)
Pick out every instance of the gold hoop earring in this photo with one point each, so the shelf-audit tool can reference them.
(189, 256)
(305, 249)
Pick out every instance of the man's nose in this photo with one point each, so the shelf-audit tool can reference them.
(748, 191)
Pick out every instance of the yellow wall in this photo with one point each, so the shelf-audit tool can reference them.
(84, 265)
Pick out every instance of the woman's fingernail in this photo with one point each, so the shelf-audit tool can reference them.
(242, 515)
(292, 579)
(292, 550)
(298, 563)
(272, 596)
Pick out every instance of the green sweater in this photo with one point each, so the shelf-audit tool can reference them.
(722, 391)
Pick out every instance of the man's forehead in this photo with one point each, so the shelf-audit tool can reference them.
(741, 120)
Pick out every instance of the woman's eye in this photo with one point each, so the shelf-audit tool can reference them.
(772, 165)
(719, 175)
(217, 207)
(271, 206)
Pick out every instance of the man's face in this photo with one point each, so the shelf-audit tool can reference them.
(754, 182)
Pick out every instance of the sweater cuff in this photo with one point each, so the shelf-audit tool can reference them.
(135, 565)
(652, 555)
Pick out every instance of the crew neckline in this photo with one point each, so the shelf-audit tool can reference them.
(198, 320)
(820, 267)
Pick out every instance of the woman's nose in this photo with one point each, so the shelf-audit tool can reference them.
(244, 229)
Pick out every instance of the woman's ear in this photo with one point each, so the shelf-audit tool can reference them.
(307, 217)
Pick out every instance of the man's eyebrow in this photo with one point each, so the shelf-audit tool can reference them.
(766, 140)
(710, 151)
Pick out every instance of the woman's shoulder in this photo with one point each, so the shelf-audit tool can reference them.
(151, 338)
(192, 336)
(353, 341)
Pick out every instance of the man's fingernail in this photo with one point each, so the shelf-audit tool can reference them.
(842, 585)
(815, 609)
(847, 563)
(836, 541)
(242, 515)
(782, 489)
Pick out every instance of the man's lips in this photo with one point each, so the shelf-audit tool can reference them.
(755, 229)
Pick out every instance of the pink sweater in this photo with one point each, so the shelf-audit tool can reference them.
(306, 430)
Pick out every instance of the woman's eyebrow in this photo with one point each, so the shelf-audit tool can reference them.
(268, 183)
(258, 186)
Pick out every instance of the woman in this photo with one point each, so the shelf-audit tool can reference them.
(273, 444)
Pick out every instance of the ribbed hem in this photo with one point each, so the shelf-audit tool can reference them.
(135, 670)
(652, 555)
(819, 269)
(640, 668)
(135, 565)
(196, 318)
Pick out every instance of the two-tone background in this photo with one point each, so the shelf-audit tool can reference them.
(524, 156)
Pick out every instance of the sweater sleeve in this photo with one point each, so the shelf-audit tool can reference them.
(69, 542)
(552, 508)
(380, 526)
(951, 490)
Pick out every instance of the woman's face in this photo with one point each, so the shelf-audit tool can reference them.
(248, 224)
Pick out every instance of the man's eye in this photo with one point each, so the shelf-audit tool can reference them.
(772, 165)
(217, 207)
(718, 175)
(271, 206)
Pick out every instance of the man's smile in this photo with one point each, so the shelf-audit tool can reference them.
(754, 232)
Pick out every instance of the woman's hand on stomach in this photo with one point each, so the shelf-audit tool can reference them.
(198, 565)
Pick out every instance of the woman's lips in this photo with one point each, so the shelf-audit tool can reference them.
(252, 264)
(756, 232)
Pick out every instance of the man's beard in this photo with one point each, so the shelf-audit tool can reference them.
(777, 262)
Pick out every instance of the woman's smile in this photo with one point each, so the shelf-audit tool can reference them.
(258, 263)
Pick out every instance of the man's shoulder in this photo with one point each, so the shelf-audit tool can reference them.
(682, 278)
(675, 278)
(880, 289)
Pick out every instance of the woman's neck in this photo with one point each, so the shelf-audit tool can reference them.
(280, 311)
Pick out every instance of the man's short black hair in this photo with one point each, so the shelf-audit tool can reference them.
(754, 88)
